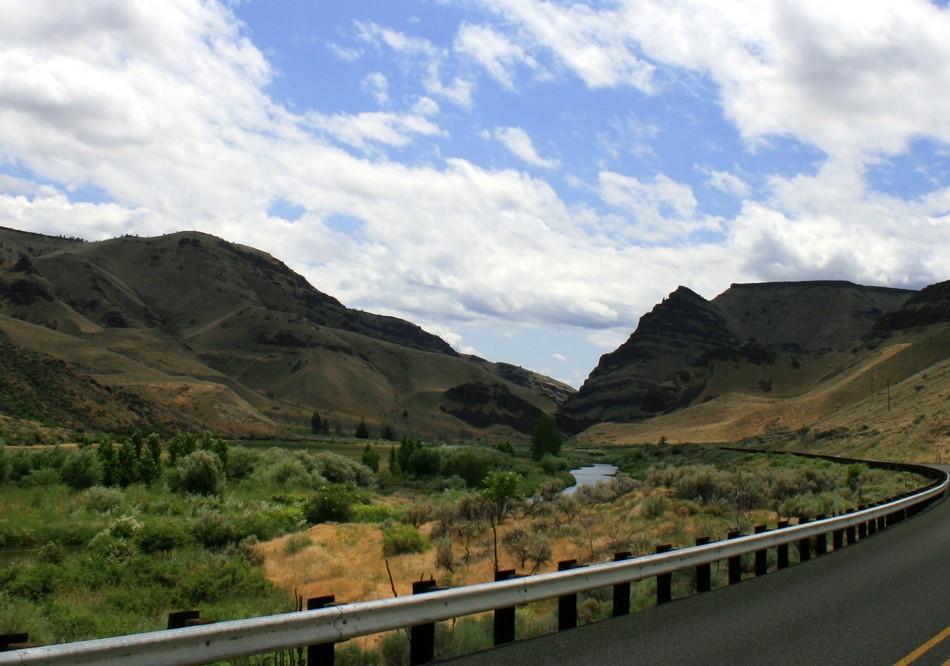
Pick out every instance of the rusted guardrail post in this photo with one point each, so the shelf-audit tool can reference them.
(761, 555)
(781, 554)
(566, 605)
(504, 618)
(735, 562)
(621, 605)
(422, 636)
(664, 582)
(322, 653)
(703, 571)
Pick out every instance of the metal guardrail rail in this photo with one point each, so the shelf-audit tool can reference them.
(239, 638)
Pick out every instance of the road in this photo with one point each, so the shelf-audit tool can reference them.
(880, 601)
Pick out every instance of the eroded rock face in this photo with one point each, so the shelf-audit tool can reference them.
(661, 366)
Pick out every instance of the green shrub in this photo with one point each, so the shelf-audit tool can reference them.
(214, 530)
(162, 536)
(399, 539)
(45, 476)
(373, 513)
(82, 470)
(296, 543)
(330, 503)
(200, 473)
(102, 500)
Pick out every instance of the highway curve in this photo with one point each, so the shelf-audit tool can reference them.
(885, 600)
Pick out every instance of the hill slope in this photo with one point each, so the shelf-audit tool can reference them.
(803, 385)
(201, 333)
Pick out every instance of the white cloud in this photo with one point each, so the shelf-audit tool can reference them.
(494, 51)
(518, 142)
(725, 182)
(377, 86)
(360, 130)
(559, 357)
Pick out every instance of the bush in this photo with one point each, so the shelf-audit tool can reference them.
(331, 503)
(296, 543)
(200, 473)
(102, 500)
(241, 462)
(399, 539)
(214, 530)
(337, 468)
(82, 470)
(162, 537)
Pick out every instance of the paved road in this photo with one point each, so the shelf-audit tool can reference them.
(875, 602)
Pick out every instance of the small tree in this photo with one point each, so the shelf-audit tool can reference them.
(501, 494)
(362, 431)
(371, 458)
(316, 424)
(81, 470)
(545, 438)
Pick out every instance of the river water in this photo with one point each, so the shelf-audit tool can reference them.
(591, 474)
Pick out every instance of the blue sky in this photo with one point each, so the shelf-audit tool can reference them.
(525, 178)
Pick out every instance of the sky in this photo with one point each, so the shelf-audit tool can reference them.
(525, 178)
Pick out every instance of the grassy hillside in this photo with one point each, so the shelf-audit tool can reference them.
(209, 335)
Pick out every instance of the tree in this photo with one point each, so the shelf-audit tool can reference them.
(316, 425)
(362, 431)
(545, 438)
(501, 494)
(81, 470)
(371, 458)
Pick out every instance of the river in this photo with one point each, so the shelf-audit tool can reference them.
(591, 474)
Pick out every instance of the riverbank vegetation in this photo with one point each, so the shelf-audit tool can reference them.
(109, 536)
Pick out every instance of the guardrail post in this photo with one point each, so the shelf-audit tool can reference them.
(664, 582)
(851, 534)
(881, 522)
(863, 525)
(804, 545)
(422, 636)
(504, 620)
(821, 540)
(735, 562)
(762, 555)
(837, 539)
(566, 605)
(781, 554)
(872, 523)
(10, 642)
(703, 571)
(621, 604)
(321, 653)
(188, 618)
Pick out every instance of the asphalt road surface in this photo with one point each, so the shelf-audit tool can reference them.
(885, 600)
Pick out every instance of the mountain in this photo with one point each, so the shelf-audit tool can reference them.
(191, 331)
(829, 366)
(669, 361)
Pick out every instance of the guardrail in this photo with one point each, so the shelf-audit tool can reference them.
(326, 626)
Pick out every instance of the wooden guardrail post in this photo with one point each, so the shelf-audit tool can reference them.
(17, 641)
(872, 523)
(188, 618)
(504, 618)
(781, 554)
(821, 540)
(761, 555)
(422, 636)
(664, 582)
(322, 653)
(566, 605)
(703, 571)
(621, 605)
(862, 526)
(735, 562)
(804, 545)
